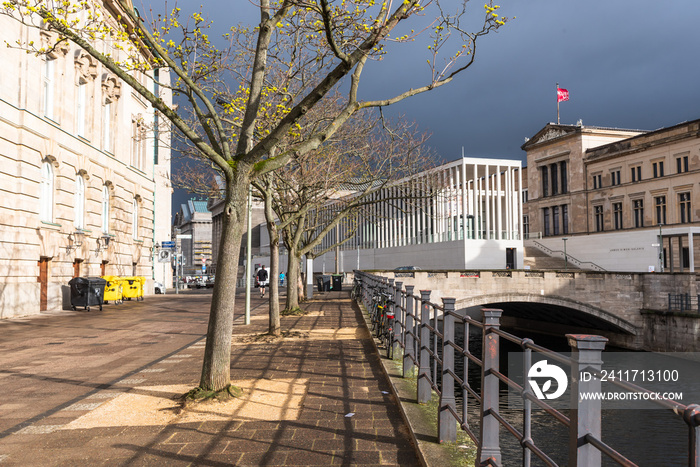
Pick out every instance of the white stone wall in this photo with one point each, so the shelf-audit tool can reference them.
(633, 251)
(28, 138)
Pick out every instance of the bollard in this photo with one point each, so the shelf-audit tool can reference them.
(408, 334)
(584, 415)
(490, 449)
(447, 423)
(424, 393)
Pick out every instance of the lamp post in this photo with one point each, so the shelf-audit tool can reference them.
(566, 258)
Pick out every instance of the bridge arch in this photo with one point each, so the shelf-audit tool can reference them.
(552, 308)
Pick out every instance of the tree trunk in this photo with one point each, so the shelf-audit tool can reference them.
(275, 328)
(293, 275)
(216, 367)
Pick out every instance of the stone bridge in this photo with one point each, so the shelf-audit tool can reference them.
(631, 309)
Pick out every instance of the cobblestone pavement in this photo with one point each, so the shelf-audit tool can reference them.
(99, 388)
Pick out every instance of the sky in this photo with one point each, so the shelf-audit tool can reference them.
(626, 64)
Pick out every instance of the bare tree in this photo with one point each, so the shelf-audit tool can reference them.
(331, 186)
(300, 51)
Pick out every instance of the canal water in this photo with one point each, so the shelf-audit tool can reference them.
(652, 438)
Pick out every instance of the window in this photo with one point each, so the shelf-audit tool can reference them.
(682, 164)
(658, 169)
(46, 201)
(637, 173)
(615, 177)
(545, 181)
(597, 181)
(555, 220)
(660, 202)
(555, 180)
(79, 205)
(638, 206)
(599, 219)
(107, 127)
(526, 226)
(105, 209)
(564, 186)
(138, 144)
(80, 110)
(617, 215)
(565, 218)
(684, 203)
(135, 219)
(111, 91)
(545, 221)
(525, 195)
(48, 87)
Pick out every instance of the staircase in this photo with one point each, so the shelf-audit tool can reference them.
(538, 259)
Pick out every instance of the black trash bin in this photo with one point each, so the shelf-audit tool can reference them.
(323, 283)
(337, 282)
(87, 292)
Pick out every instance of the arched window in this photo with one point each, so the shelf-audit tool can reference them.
(46, 200)
(105, 209)
(79, 206)
(135, 219)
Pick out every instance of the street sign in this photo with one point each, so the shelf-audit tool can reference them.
(167, 245)
(164, 256)
(184, 236)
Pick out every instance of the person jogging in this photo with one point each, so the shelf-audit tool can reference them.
(262, 280)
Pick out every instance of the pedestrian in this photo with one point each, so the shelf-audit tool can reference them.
(262, 280)
(282, 279)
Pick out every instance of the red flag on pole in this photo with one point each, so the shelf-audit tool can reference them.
(562, 95)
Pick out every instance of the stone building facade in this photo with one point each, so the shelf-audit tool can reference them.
(194, 220)
(84, 174)
(624, 199)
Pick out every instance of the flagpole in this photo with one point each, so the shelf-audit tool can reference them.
(557, 103)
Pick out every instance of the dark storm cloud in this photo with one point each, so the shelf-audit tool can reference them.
(626, 64)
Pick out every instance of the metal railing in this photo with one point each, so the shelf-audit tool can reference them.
(683, 302)
(425, 332)
(569, 258)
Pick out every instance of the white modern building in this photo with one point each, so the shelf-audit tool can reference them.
(84, 173)
(464, 214)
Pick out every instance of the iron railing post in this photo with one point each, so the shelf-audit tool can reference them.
(408, 333)
(691, 415)
(447, 423)
(424, 393)
(490, 448)
(398, 318)
(584, 415)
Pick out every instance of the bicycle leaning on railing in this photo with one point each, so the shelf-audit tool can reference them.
(381, 314)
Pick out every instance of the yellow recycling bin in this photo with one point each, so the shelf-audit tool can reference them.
(132, 287)
(113, 289)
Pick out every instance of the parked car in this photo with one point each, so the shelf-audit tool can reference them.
(159, 288)
(210, 282)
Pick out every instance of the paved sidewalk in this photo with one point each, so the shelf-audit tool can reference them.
(99, 388)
